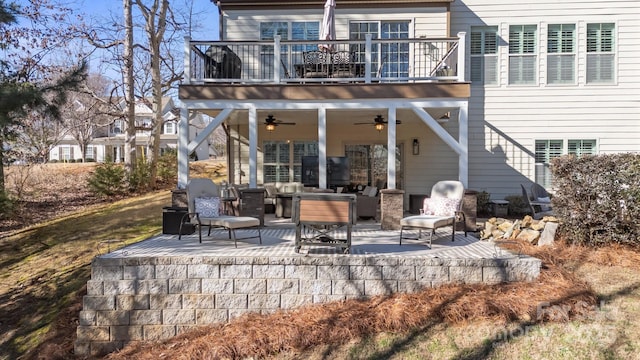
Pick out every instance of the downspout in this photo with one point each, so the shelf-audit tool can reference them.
(239, 159)
(230, 174)
(220, 22)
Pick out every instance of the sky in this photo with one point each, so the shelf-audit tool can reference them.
(205, 21)
(206, 14)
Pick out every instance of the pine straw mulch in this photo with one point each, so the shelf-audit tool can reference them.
(337, 323)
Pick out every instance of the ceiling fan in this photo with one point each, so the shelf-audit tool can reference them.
(378, 122)
(271, 122)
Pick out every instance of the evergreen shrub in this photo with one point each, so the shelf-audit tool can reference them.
(108, 179)
(598, 198)
(7, 205)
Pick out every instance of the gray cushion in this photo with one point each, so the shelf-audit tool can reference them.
(232, 222)
(427, 221)
(271, 189)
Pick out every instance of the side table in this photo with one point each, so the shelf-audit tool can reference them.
(284, 203)
(499, 208)
(227, 205)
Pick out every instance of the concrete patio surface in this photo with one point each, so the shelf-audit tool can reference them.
(278, 236)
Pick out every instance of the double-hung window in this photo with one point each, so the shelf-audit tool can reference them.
(600, 53)
(170, 128)
(561, 54)
(522, 54)
(66, 153)
(90, 152)
(117, 127)
(484, 54)
(546, 150)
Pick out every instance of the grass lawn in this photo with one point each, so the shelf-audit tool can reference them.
(44, 270)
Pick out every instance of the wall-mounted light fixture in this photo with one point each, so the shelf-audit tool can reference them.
(416, 147)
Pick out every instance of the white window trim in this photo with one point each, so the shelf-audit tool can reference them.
(536, 54)
(576, 55)
(497, 55)
(582, 49)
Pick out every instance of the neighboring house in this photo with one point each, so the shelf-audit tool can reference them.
(108, 140)
(487, 92)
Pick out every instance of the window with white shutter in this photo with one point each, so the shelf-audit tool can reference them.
(283, 162)
(546, 150)
(600, 53)
(484, 54)
(522, 54)
(561, 54)
(582, 147)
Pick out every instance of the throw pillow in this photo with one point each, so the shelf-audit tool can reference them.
(443, 206)
(545, 200)
(208, 207)
(428, 206)
(271, 189)
(370, 191)
(373, 191)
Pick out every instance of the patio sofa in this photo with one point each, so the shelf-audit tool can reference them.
(367, 203)
(274, 188)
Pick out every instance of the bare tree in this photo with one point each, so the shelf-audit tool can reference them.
(88, 111)
(130, 157)
(155, 16)
(29, 76)
(151, 63)
(38, 133)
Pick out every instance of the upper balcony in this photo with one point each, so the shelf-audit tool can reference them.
(342, 61)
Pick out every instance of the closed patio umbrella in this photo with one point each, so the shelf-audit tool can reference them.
(328, 26)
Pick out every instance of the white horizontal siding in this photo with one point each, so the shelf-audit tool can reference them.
(506, 120)
(245, 25)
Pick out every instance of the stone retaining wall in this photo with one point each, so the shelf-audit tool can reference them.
(143, 299)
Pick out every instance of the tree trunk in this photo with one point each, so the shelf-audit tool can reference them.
(155, 32)
(130, 157)
(1, 166)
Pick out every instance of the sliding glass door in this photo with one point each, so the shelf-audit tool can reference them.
(368, 164)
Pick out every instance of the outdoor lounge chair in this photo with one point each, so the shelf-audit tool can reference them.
(535, 206)
(443, 208)
(204, 210)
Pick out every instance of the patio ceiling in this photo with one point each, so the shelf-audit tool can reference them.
(344, 116)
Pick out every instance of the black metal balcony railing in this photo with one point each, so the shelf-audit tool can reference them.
(370, 60)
